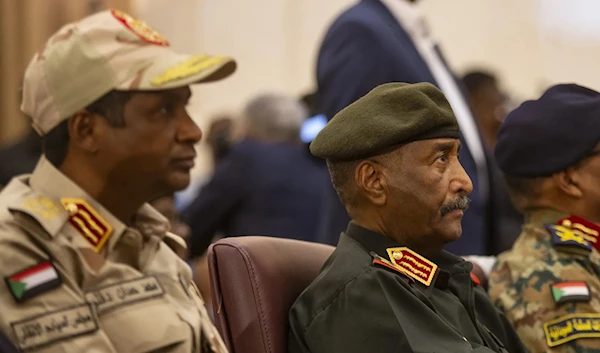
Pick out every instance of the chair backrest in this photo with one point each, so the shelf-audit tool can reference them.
(255, 280)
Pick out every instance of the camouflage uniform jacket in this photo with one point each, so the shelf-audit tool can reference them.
(548, 284)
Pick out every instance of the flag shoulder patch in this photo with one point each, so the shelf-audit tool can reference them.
(565, 292)
(33, 281)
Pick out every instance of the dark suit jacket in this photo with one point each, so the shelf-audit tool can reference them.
(366, 47)
(259, 189)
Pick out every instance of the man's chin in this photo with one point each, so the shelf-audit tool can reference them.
(452, 233)
(179, 180)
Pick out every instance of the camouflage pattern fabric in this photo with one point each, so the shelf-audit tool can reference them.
(526, 284)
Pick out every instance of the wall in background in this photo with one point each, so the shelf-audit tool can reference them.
(529, 43)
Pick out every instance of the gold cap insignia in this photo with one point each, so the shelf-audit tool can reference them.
(140, 28)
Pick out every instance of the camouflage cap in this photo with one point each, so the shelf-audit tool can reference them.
(389, 115)
(109, 50)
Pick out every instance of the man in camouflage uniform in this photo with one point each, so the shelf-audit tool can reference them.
(548, 284)
(88, 265)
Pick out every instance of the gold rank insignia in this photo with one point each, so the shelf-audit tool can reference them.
(568, 239)
(140, 28)
(416, 266)
(588, 230)
(87, 222)
(42, 206)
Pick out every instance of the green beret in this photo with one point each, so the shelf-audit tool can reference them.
(389, 115)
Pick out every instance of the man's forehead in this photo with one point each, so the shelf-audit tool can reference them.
(435, 144)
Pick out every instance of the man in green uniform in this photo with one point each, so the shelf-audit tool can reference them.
(548, 285)
(389, 286)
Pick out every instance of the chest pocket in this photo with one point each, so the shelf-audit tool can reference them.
(137, 317)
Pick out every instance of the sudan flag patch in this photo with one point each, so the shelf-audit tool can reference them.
(564, 292)
(32, 281)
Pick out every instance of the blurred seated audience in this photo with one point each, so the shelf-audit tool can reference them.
(266, 185)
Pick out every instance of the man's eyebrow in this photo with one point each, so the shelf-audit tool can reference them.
(178, 96)
(445, 146)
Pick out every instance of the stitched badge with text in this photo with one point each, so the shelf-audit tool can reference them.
(570, 327)
(110, 297)
(55, 326)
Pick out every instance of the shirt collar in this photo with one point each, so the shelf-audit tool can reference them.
(378, 243)
(544, 216)
(50, 181)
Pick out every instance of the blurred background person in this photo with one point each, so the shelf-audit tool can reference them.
(20, 157)
(380, 41)
(266, 185)
(488, 103)
(219, 137)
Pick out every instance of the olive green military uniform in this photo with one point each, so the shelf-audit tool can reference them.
(79, 280)
(373, 294)
(548, 284)
(360, 303)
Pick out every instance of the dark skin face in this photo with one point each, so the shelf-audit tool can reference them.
(151, 155)
(415, 195)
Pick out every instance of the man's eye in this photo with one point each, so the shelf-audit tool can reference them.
(442, 157)
(167, 108)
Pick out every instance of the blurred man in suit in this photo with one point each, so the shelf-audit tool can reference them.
(266, 185)
(379, 41)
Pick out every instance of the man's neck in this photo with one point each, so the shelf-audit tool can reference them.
(428, 250)
(121, 202)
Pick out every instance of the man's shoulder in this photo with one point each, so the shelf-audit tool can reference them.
(363, 15)
(22, 207)
(346, 276)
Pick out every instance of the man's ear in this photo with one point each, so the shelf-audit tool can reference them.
(83, 130)
(568, 182)
(371, 181)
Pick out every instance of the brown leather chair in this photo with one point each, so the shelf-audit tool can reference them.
(254, 282)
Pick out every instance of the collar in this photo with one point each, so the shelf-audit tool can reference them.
(379, 244)
(89, 217)
(543, 216)
(409, 16)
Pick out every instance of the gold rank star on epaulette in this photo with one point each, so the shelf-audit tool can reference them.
(567, 240)
(588, 230)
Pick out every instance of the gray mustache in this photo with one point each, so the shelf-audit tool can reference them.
(461, 203)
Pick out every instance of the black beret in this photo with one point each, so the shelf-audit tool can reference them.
(548, 135)
(389, 115)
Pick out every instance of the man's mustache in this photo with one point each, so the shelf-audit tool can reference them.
(460, 203)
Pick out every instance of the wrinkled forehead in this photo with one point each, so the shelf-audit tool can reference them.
(421, 147)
